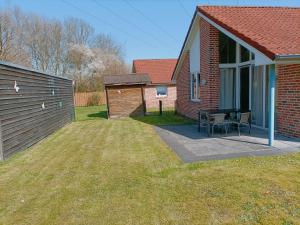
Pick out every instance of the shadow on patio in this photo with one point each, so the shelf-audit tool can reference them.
(192, 146)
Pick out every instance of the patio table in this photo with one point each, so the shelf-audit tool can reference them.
(216, 111)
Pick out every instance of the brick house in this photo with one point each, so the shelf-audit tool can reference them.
(161, 88)
(246, 58)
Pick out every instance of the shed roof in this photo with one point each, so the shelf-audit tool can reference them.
(126, 79)
(159, 70)
(275, 31)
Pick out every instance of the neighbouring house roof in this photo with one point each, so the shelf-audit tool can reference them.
(275, 31)
(159, 70)
(126, 79)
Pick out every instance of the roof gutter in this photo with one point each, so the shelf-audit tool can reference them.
(125, 84)
(287, 57)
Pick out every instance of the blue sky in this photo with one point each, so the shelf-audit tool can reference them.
(146, 28)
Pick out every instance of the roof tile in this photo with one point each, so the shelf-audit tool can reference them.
(159, 70)
(272, 30)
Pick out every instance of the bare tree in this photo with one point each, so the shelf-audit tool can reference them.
(77, 31)
(67, 48)
(11, 38)
(107, 44)
(113, 54)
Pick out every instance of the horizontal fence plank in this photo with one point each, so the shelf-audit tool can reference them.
(1, 143)
(24, 121)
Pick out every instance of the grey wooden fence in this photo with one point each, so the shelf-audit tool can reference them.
(32, 106)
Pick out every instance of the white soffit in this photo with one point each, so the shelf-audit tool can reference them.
(187, 45)
(195, 52)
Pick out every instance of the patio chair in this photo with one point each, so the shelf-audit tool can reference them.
(203, 121)
(244, 121)
(218, 120)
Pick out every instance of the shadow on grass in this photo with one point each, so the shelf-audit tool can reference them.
(91, 113)
(101, 114)
(167, 118)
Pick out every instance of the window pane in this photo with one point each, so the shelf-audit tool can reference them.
(245, 54)
(227, 49)
(199, 81)
(193, 83)
(267, 98)
(227, 100)
(161, 90)
(257, 96)
(194, 86)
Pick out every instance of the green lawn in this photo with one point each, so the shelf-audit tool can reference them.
(91, 113)
(99, 171)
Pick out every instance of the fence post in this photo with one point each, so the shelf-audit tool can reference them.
(160, 107)
(74, 103)
(1, 143)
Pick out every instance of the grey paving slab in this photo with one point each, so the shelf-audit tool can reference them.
(191, 146)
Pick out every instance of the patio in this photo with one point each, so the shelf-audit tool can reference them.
(192, 146)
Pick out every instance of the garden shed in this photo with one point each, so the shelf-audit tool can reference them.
(32, 106)
(125, 94)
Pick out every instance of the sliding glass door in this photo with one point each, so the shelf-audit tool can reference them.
(247, 90)
(228, 87)
(244, 88)
(257, 98)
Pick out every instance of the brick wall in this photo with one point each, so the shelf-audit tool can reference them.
(152, 101)
(288, 99)
(209, 70)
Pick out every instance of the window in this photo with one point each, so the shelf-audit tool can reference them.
(227, 49)
(195, 86)
(227, 98)
(161, 91)
(245, 54)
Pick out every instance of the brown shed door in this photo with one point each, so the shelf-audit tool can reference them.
(125, 101)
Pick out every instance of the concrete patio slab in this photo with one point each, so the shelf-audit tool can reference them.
(191, 146)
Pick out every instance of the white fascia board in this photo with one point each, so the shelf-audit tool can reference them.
(260, 58)
(287, 59)
(187, 44)
(195, 52)
(285, 62)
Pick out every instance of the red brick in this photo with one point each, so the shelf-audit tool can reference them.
(287, 101)
(209, 70)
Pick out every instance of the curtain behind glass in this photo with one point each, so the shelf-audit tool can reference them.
(257, 96)
(227, 99)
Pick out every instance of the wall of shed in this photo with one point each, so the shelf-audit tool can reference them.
(23, 121)
(125, 100)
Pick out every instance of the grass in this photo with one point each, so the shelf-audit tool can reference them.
(91, 113)
(98, 171)
(167, 117)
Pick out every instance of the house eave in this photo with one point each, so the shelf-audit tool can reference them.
(283, 59)
(183, 49)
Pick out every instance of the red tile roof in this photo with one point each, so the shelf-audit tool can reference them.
(159, 70)
(271, 30)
